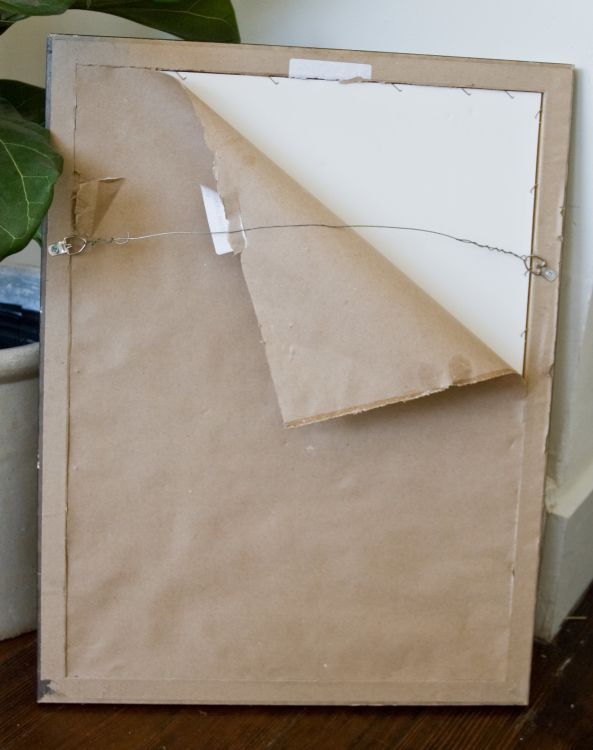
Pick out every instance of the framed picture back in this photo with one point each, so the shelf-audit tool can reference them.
(299, 324)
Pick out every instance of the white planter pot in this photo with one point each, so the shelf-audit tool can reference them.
(19, 385)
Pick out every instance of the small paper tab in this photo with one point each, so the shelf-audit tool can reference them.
(328, 70)
(217, 220)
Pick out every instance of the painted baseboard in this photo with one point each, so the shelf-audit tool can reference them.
(566, 569)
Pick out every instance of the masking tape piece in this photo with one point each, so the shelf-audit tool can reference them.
(217, 220)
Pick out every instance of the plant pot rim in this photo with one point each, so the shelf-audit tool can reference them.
(19, 362)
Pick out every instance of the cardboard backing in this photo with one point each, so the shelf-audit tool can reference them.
(193, 549)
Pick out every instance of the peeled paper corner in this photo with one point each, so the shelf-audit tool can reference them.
(344, 330)
(92, 201)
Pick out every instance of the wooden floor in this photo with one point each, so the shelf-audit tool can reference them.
(560, 715)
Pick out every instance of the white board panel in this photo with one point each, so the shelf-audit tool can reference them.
(443, 159)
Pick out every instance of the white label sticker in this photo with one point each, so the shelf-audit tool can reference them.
(328, 70)
(217, 220)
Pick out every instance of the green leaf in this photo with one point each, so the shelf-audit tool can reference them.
(12, 11)
(7, 19)
(28, 100)
(197, 20)
(29, 169)
(34, 7)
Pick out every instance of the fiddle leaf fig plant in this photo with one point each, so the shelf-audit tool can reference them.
(29, 166)
(197, 20)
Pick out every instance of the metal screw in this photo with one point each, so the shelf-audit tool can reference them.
(549, 274)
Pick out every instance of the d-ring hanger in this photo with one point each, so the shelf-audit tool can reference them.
(537, 266)
(71, 245)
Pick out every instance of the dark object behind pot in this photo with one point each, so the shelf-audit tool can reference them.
(19, 306)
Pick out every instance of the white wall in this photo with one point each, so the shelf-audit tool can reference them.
(544, 30)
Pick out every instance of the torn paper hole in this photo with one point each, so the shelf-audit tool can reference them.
(329, 70)
(217, 220)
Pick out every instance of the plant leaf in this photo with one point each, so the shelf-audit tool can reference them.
(28, 100)
(7, 19)
(34, 7)
(29, 169)
(198, 20)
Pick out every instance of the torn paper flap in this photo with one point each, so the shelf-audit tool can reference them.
(92, 201)
(344, 330)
